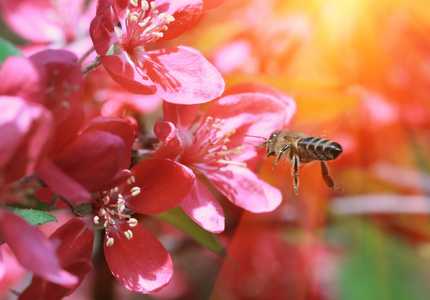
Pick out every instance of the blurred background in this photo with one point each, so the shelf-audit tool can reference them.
(359, 71)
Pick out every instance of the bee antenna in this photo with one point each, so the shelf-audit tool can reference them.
(255, 136)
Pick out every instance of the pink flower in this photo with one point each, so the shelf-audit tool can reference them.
(11, 272)
(123, 28)
(25, 127)
(217, 147)
(32, 250)
(52, 24)
(41, 91)
(25, 123)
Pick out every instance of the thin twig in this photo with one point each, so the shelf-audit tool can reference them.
(94, 64)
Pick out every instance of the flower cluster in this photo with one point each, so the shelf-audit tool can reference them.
(76, 138)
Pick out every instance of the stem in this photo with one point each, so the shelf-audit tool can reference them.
(94, 64)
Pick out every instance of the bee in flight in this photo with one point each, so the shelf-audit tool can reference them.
(300, 148)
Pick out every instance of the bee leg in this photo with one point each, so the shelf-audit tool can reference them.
(296, 173)
(280, 155)
(327, 179)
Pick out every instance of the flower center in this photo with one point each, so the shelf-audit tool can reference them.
(144, 24)
(211, 150)
(111, 207)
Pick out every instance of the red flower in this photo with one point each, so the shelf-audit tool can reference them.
(135, 256)
(122, 29)
(75, 239)
(92, 161)
(216, 148)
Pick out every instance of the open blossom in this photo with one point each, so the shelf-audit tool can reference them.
(217, 147)
(121, 31)
(134, 255)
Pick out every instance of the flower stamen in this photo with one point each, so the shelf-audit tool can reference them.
(214, 148)
(109, 242)
(111, 207)
(144, 24)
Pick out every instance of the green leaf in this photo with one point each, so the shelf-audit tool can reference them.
(35, 217)
(7, 49)
(180, 220)
(382, 267)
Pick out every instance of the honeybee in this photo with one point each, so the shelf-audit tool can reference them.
(300, 148)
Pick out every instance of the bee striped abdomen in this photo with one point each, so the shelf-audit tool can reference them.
(319, 149)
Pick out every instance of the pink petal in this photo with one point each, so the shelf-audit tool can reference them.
(250, 114)
(141, 264)
(127, 75)
(171, 146)
(245, 189)
(182, 116)
(233, 56)
(25, 132)
(185, 12)
(93, 159)
(76, 244)
(23, 78)
(102, 29)
(64, 77)
(164, 184)
(62, 184)
(77, 237)
(253, 87)
(201, 206)
(118, 127)
(33, 250)
(182, 75)
(11, 272)
(30, 20)
(64, 80)
(44, 21)
(120, 101)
